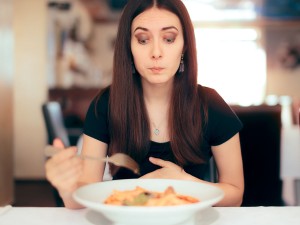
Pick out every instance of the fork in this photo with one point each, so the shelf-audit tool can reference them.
(118, 159)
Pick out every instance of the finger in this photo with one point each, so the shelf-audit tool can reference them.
(69, 164)
(58, 143)
(64, 154)
(59, 177)
(65, 172)
(59, 166)
(61, 161)
(149, 175)
(67, 179)
(159, 162)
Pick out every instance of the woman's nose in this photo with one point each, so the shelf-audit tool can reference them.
(156, 51)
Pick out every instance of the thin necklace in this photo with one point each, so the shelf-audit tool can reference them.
(156, 130)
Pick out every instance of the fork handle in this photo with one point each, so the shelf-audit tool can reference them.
(50, 151)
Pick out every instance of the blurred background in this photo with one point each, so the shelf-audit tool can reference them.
(62, 50)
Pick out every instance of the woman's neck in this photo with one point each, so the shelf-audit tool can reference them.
(157, 100)
(157, 94)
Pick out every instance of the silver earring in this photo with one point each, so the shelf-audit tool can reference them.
(181, 66)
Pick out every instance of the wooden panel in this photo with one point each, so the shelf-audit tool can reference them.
(74, 101)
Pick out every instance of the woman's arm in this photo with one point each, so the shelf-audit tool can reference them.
(229, 163)
(92, 170)
(67, 172)
(230, 171)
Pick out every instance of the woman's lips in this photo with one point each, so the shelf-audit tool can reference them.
(156, 69)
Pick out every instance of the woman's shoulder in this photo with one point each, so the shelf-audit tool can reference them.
(210, 97)
(208, 92)
(104, 93)
(222, 121)
(102, 98)
(217, 107)
(99, 104)
(96, 124)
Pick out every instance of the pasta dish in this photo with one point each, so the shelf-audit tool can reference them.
(142, 197)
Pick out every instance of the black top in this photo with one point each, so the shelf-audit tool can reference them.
(222, 124)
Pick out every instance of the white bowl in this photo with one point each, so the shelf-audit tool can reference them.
(93, 195)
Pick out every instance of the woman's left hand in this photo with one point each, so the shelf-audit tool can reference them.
(168, 170)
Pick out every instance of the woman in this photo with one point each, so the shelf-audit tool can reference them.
(155, 111)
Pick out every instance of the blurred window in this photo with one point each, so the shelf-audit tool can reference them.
(230, 58)
(233, 62)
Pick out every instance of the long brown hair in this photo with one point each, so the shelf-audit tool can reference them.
(128, 119)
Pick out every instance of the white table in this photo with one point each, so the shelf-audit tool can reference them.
(211, 216)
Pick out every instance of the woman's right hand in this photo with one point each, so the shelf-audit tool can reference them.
(64, 169)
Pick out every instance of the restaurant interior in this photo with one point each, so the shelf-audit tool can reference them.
(62, 51)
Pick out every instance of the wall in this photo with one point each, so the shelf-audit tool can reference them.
(281, 80)
(30, 89)
(6, 100)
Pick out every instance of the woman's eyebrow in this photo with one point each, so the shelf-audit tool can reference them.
(170, 27)
(163, 29)
(140, 28)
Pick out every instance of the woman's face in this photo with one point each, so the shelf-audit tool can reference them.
(157, 45)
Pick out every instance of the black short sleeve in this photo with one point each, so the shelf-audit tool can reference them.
(222, 123)
(96, 120)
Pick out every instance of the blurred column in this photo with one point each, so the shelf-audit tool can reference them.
(6, 103)
(30, 87)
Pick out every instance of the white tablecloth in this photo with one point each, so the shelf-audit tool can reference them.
(210, 216)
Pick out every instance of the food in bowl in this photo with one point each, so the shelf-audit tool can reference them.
(93, 196)
(143, 197)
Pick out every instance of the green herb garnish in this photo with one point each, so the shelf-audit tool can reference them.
(138, 200)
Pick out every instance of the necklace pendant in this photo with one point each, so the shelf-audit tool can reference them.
(156, 131)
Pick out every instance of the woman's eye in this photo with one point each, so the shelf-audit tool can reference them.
(143, 41)
(169, 40)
